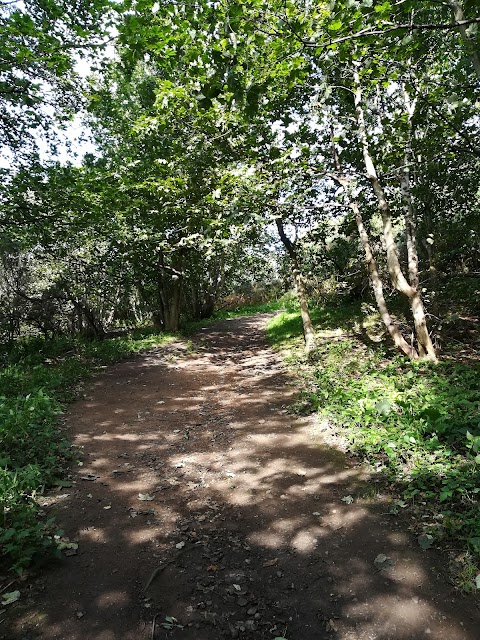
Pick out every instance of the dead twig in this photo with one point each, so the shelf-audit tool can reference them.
(156, 572)
(154, 622)
(6, 586)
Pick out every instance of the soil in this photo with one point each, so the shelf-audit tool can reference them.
(198, 480)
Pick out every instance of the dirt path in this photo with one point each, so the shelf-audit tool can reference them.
(242, 514)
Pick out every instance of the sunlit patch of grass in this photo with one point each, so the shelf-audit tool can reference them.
(417, 423)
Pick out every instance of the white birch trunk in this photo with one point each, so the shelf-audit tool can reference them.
(396, 274)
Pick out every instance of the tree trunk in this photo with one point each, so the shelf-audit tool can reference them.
(170, 293)
(399, 341)
(377, 285)
(410, 214)
(410, 226)
(459, 18)
(433, 283)
(425, 347)
(308, 331)
(396, 274)
(172, 314)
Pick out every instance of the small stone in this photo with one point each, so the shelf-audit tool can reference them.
(242, 602)
(252, 611)
(79, 614)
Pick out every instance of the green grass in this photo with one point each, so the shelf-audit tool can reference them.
(37, 378)
(416, 423)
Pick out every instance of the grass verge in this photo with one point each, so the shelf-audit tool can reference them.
(37, 378)
(416, 423)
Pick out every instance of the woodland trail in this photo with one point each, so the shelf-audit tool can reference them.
(193, 464)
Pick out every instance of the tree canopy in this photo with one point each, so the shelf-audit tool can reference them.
(352, 125)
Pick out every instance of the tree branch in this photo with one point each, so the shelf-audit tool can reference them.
(369, 31)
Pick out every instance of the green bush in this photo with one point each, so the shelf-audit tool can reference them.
(22, 534)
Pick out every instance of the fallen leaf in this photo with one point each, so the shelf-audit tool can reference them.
(477, 581)
(383, 562)
(109, 506)
(65, 544)
(145, 497)
(237, 587)
(347, 499)
(63, 483)
(180, 545)
(270, 563)
(10, 597)
(331, 626)
(425, 541)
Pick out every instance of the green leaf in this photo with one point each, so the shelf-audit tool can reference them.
(10, 597)
(383, 407)
(425, 541)
(335, 25)
(475, 543)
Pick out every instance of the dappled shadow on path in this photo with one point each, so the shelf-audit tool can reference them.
(245, 500)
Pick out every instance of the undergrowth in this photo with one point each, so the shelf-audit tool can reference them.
(416, 423)
(37, 378)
